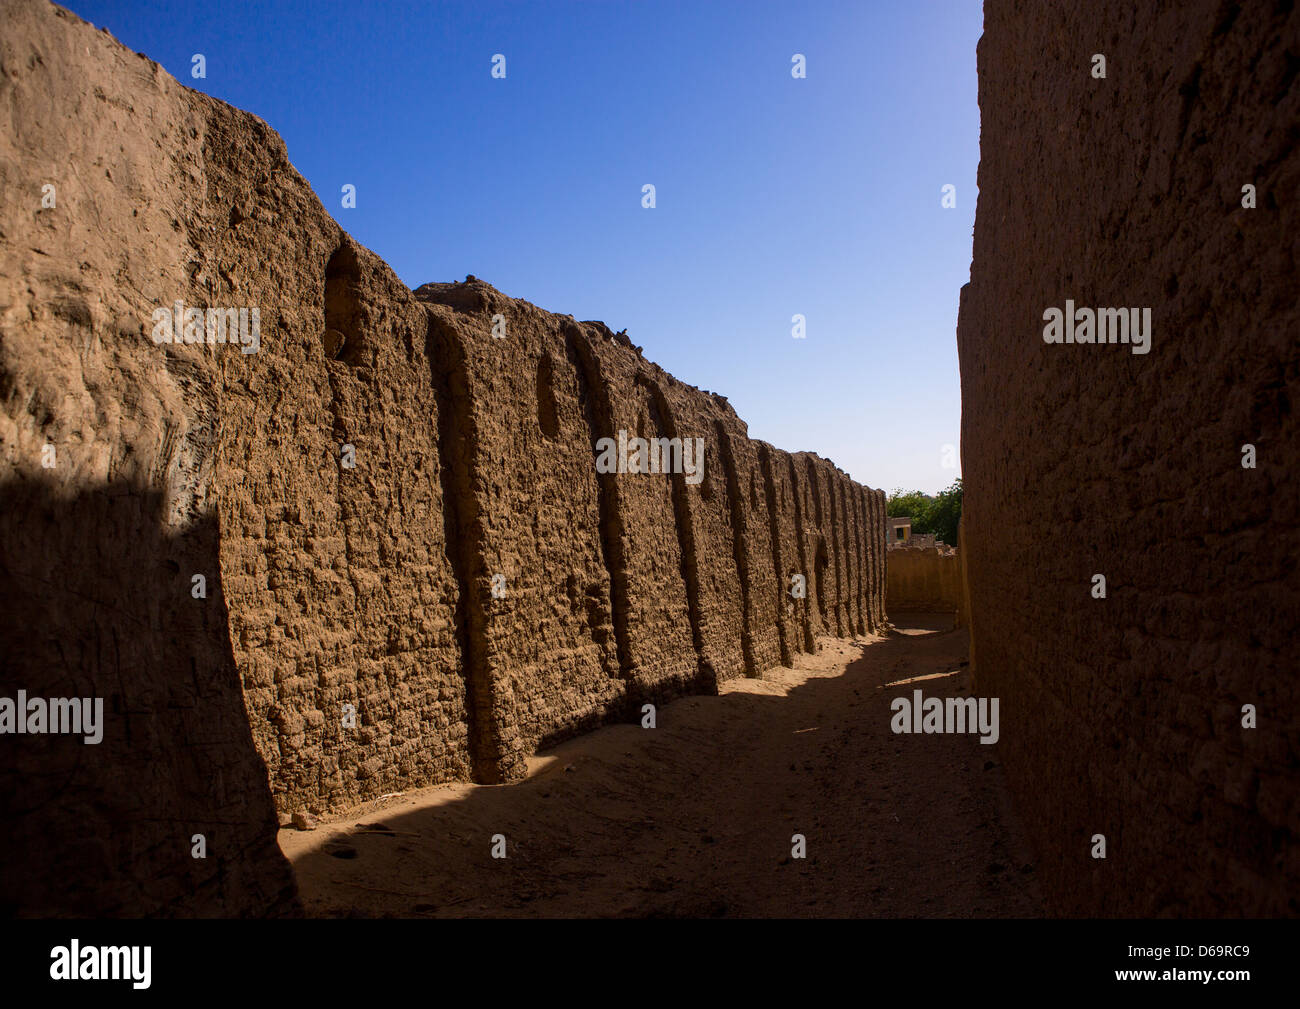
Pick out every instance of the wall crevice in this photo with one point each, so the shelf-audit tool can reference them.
(809, 639)
(599, 415)
(458, 449)
(706, 675)
(739, 546)
(778, 567)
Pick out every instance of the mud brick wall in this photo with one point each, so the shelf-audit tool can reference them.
(414, 571)
(789, 549)
(831, 530)
(923, 580)
(712, 517)
(663, 616)
(343, 588)
(528, 512)
(99, 542)
(1082, 460)
(751, 544)
(877, 506)
(113, 823)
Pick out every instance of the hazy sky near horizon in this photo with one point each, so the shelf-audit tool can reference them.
(775, 196)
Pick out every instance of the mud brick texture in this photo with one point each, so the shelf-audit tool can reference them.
(1123, 716)
(923, 580)
(414, 571)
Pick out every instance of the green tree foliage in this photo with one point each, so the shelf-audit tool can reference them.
(930, 513)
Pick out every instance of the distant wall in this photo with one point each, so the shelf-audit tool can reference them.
(619, 589)
(1123, 716)
(923, 580)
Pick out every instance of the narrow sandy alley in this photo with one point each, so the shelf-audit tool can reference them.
(695, 817)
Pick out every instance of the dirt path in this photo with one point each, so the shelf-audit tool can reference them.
(695, 817)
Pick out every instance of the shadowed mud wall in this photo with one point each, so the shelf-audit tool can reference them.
(1123, 715)
(414, 572)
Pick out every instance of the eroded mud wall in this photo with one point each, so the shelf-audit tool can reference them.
(112, 559)
(413, 569)
(543, 540)
(1123, 716)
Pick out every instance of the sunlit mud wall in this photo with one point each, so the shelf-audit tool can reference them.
(923, 580)
(364, 547)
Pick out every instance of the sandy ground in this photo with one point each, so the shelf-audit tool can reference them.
(695, 817)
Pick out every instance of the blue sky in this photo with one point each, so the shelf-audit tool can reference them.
(775, 196)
